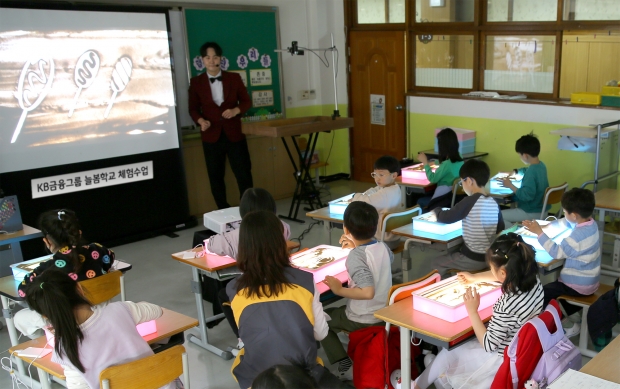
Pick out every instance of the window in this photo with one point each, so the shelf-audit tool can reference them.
(444, 61)
(520, 63)
(380, 11)
(591, 10)
(522, 10)
(435, 11)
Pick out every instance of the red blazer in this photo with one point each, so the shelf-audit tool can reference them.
(201, 105)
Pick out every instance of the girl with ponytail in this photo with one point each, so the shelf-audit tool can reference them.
(73, 256)
(88, 339)
(475, 363)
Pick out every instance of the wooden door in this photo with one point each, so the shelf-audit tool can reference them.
(378, 68)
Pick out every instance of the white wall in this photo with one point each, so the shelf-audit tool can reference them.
(310, 23)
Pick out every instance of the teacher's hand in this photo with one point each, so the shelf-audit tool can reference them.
(231, 113)
(204, 124)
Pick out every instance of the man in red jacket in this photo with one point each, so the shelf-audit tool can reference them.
(216, 101)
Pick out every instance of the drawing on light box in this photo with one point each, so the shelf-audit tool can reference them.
(317, 258)
(451, 293)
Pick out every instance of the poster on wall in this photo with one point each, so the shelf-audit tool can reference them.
(377, 109)
(262, 98)
(260, 77)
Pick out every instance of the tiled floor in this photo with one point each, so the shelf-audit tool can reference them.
(157, 278)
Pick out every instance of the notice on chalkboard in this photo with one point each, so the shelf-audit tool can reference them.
(260, 77)
(243, 74)
(262, 98)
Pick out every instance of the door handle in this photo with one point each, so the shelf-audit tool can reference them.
(399, 107)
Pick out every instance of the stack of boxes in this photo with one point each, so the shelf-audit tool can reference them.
(611, 96)
(467, 140)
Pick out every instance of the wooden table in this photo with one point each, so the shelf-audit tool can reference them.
(608, 200)
(431, 154)
(13, 239)
(312, 126)
(169, 324)
(426, 327)
(416, 186)
(328, 219)
(605, 364)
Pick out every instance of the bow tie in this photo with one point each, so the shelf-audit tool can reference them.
(213, 79)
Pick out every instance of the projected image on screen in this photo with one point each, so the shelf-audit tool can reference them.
(77, 86)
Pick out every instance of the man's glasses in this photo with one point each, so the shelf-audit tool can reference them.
(375, 175)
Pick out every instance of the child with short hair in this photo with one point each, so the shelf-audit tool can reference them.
(531, 194)
(62, 236)
(482, 221)
(475, 363)
(582, 267)
(370, 280)
(88, 339)
(276, 306)
(386, 196)
(450, 162)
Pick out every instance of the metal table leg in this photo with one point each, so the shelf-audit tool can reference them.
(203, 340)
(7, 313)
(405, 358)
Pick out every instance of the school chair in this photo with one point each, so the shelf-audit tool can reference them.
(585, 302)
(553, 195)
(103, 288)
(457, 190)
(290, 246)
(528, 353)
(151, 372)
(394, 220)
(303, 146)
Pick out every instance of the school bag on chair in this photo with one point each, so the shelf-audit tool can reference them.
(558, 352)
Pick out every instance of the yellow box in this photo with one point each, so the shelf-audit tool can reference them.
(588, 98)
(611, 91)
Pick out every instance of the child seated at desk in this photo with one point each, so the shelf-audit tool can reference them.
(531, 195)
(475, 363)
(276, 306)
(582, 267)
(62, 236)
(482, 221)
(370, 280)
(450, 163)
(603, 316)
(88, 339)
(386, 196)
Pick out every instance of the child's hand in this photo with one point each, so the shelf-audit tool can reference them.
(346, 243)
(465, 277)
(472, 300)
(532, 225)
(334, 283)
(422, 158)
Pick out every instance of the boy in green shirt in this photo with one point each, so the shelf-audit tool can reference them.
(533, 185)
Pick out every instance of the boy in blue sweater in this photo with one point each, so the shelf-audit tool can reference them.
(533, 185)
(582, 268)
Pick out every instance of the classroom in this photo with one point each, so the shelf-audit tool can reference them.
(145, 131)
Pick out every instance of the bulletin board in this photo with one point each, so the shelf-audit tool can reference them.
(248, 39)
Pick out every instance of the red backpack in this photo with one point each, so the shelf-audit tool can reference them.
(376, 355)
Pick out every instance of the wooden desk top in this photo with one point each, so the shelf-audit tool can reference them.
(208, 263)
(402, 315)
(25, 234)
(608, 199)
(413, 183)
(605, 364)
(408, 232)
(170, 323)
(295, 126)
(8, 288)
(476, 154)
(324, 215)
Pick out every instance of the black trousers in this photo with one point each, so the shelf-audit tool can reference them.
(239, 157)
(555, 289)
(228, 312)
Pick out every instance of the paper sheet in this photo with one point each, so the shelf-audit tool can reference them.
(573, 379)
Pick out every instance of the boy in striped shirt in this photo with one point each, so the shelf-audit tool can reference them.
(582, 268)
(482, 221)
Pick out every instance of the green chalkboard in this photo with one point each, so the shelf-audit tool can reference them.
(238, 32)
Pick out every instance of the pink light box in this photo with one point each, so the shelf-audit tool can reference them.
(416, 172)
(444, 300)
(321, 261)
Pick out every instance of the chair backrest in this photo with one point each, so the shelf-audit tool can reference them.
(404, 290)
(553, 195)
(153, 371)
(397, 219)
(457, 190)
(290, 245)
(102, 288)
